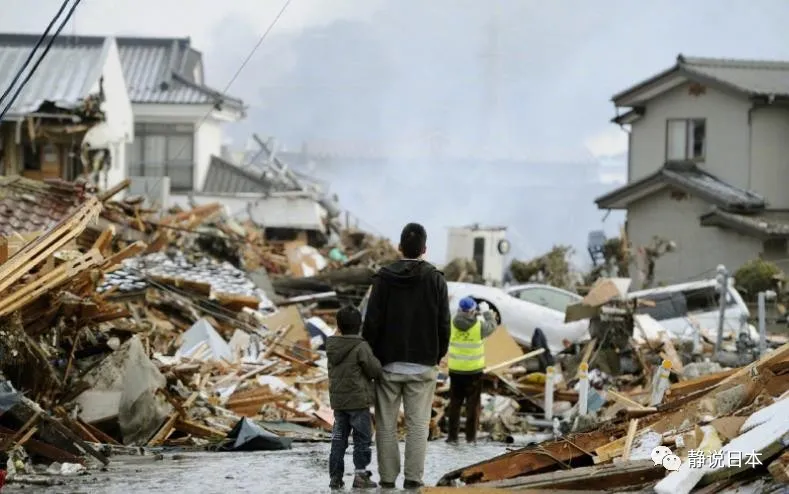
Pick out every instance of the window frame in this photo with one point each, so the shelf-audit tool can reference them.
(169, 132)
(689, 139)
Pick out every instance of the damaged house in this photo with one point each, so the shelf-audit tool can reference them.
(178, 118)
(72, 118)
(707, 149)
(174, 119)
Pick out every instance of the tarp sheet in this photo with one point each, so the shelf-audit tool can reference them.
(249, 436)
(9, 397)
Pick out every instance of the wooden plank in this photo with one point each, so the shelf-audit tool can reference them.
(631, 435)
(779, 468)
(26, 437)
(624, 400)
(197, 430)
(513, 361)
(608, 477)
(42, 449)
(167, 428)
(683, 388)
(99, 434)
(588, 349)
(109, 193)
(544, 457)
(31, 422)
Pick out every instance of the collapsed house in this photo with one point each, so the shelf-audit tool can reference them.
(73, 117)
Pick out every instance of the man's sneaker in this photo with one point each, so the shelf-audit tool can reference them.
(387, 485)
(363, 481)
(412, 484)
(336, 483)
(452, 440)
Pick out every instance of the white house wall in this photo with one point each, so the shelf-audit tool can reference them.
(727, 133)
(207, 136)
(770, 154)
(118, 109)
(699, 249)
(208, 142)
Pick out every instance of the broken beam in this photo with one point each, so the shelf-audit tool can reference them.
(545, 457)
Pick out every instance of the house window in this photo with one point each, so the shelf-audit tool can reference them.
(775, 248)
(686, 139)
(162, 150)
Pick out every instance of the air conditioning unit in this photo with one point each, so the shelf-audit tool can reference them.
(155, 190)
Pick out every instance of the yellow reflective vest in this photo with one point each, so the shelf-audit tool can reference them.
(466, 349)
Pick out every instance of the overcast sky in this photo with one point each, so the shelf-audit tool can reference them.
(513, 78)
(556, 64)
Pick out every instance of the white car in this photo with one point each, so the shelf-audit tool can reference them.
(523, 308)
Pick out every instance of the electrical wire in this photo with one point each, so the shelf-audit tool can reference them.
(40, 59)
(33, 52)
(238, 72)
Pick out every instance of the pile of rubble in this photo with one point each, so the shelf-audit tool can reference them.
(122, 327)
(653, 414)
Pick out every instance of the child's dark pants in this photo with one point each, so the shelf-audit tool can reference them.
(360, 423)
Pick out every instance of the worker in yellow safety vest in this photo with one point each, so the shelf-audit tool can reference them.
(466, 364)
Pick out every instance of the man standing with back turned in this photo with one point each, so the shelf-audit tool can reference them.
(407, 325)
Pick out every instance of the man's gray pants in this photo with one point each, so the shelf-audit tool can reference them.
(416, 392)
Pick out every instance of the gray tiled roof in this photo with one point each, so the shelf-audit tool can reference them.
(66, 75)
(757, 77)
(162, 71)
(692, 179)
(224, 177)
(765, 224)
(156, 70)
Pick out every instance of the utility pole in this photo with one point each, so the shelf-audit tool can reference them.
(723, 284)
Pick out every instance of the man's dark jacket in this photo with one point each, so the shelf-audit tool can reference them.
(407, 317)
(352, 366)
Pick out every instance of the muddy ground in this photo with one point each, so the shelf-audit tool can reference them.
(301, 469)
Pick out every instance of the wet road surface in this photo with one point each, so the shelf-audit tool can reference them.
(301, 469)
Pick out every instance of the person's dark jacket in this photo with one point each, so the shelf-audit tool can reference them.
(407, 318)
(352, 366)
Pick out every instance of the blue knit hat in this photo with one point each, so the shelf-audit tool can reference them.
(467, 304)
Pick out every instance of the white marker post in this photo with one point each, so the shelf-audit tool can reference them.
(762, 323)
(583, 388)
(662, 384)
(549, 393)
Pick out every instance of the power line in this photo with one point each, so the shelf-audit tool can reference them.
(41, 58)
(33, 52)
(240, 68)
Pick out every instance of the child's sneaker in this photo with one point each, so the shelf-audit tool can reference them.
(363, 481)
(336, 483)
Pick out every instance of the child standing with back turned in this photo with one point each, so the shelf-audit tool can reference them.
(352, 367)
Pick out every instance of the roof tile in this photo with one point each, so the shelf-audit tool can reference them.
(757, 77)
(31, 206)
(690, 177)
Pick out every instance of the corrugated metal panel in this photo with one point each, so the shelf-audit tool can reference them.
(146, 66)
(753, 76)
(64, 77)
(225, 178)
